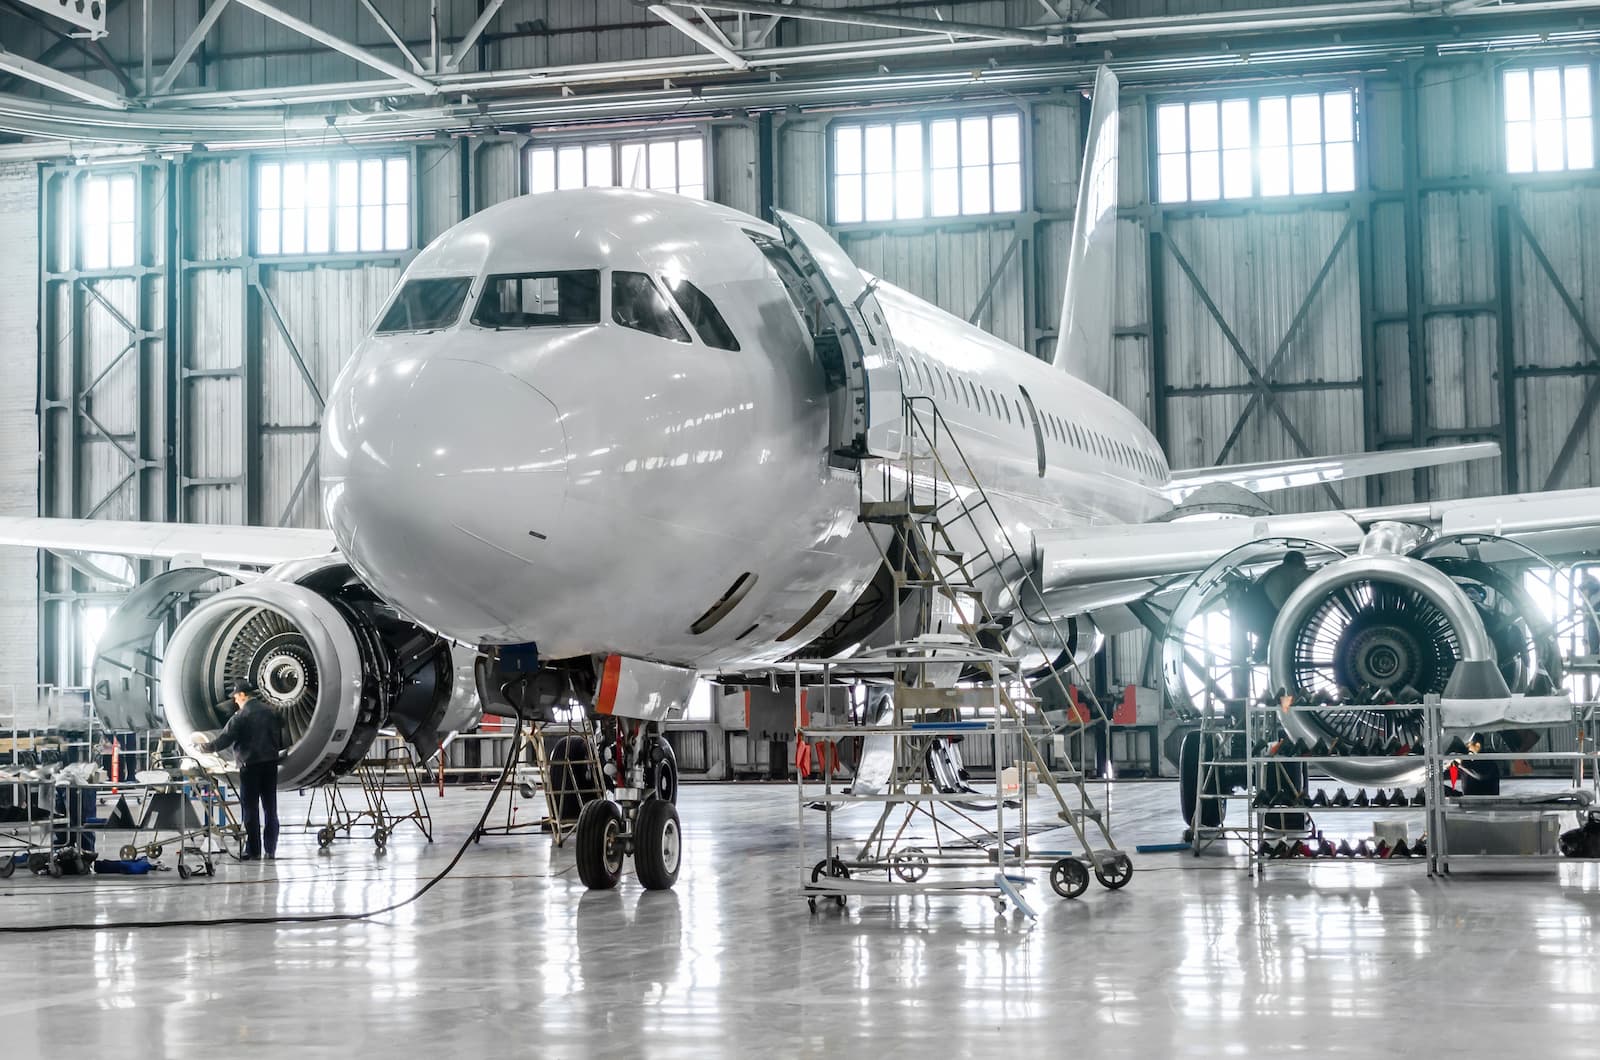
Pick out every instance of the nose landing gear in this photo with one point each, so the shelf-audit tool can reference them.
(638, 818)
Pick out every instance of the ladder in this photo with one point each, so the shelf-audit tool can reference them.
(933, 491)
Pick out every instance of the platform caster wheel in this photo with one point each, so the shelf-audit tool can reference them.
(600, 846)
(835, 868)
(812, 902)
(910, 865)
(211, 869)
(154, 850)
(657, 845)
(128, 853)
(526, 791)
(8, 865)
(183, 871)
(325, 836)
(999, 907)
(1069, 878)
(380, 839)
(1115, 872)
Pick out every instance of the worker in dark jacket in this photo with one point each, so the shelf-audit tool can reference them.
(253, 733)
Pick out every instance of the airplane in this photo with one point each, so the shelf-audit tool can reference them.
(600, 443)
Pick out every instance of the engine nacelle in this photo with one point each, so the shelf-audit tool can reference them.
(334, 662)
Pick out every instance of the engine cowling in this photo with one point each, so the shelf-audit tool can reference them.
(333, 661)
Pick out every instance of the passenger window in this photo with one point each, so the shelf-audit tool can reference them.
(637, 303)
(425, 305)
(539, 300)
(703, 315)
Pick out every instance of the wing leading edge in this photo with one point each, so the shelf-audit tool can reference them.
(1286, 474)
(229, 545)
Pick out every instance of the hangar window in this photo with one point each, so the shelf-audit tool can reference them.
(345, 207)
(539, 300)
(637, 303)
(107, 211)
(675, 165)
(943, 167)
(1549, 119)
(1265, 146)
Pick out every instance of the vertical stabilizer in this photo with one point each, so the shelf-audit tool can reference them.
(1084, 341)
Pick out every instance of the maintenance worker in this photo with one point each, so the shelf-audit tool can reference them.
(253, 733)
(1266, 598)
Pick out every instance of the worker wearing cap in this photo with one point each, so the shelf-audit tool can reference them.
(253, 734)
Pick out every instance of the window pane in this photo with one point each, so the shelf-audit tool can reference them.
(1204, 179)
(346, 238)
(317, 230)
(371, 228)
(691, 162)
(347, 184)
(974, 189)
(1548, 145)
(294, 228)
(395, 236)
(942, 147)
(122, 208)
(1170, 135)
(847, 149)
(880, 148)
(846, 199)
(945, 186)
(880, 193)
(597, 166)
(1307, 169)
(1236, 175)
(1577, 91)
(121, 245)
(371, 182)
(1008, 187)
(1272, 119)
(541, 170)
(1007, 138)
(532, 300)
(664, 166)
(1274, 170)
(974, 141)
(1305, 114)
(637, 303)
(908, 193)
(1339, 116)
(569, 167)
(633, 173)
(908, 146)
(294, 186)
(703, 315)
(1172, 173)
(1236, 123)
(318, 180)
(1519, 96)
(267, 235)
(397, 180)
(1519, 147)
(1546, 93)
(1203, 126)
(425, 305)
(1341, 167)
(1580, 143)
(267, 186)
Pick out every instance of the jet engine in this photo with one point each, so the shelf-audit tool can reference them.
(334, 662)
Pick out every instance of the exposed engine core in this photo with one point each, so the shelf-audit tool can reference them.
(334, 662)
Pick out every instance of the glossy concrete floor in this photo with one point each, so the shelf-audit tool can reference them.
(509, 956)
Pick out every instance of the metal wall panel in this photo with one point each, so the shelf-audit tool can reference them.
(19, 425)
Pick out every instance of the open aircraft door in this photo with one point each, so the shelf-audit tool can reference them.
(852, 341)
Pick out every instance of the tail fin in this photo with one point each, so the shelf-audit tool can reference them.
(1084, 339)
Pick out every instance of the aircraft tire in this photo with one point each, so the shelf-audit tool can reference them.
(657, 845)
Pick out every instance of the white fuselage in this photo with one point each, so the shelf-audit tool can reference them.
(595, 488)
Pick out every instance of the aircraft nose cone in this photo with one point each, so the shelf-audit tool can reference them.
(443, 481)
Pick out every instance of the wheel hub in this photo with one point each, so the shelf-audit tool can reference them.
(669, 846)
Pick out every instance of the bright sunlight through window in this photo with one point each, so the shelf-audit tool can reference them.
(1549, 119)
(946, 167)
(661, 165)
(1259, 147)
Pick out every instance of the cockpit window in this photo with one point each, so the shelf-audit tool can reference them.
(425, 305)
(539, 300)
(636, 302)
(703, 315)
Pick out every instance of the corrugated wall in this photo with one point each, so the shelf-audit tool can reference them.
(19, 427)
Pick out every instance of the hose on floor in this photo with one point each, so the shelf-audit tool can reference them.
(295, 918)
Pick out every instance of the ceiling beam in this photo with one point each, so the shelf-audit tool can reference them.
(699, 36)
(470, 41)
(389, 31)
(850, 17)
(197, 37)
(339, 44)
(76, 87)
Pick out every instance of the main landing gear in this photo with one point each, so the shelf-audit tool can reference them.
(637, 818)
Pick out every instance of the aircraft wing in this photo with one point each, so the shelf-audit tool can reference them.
(228, 545)
(1102, 566)
(1286, 474)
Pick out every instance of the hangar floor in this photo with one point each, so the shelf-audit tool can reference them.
(510, 956)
